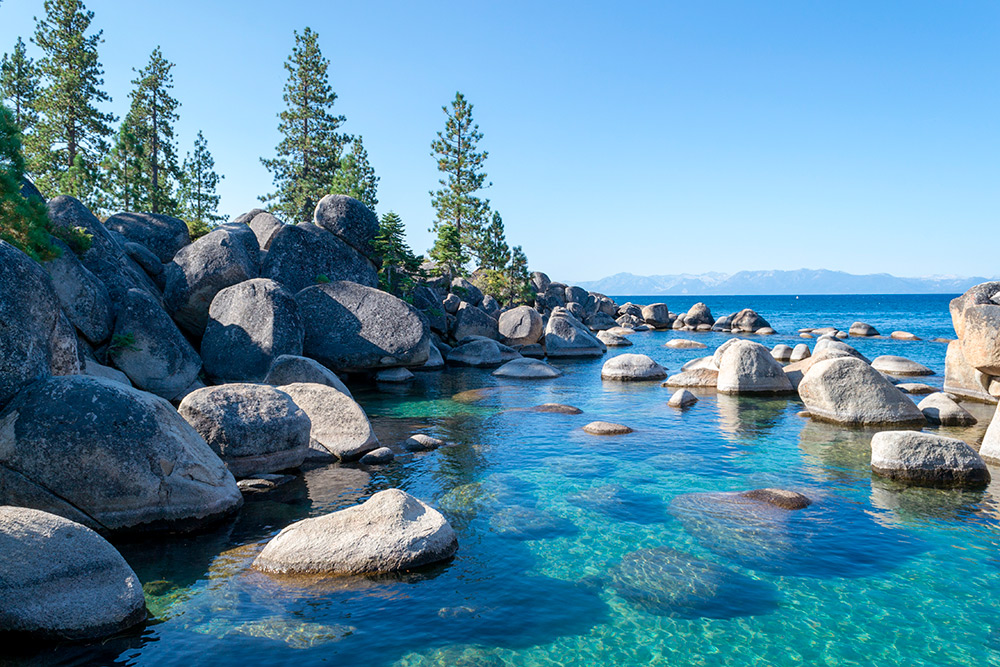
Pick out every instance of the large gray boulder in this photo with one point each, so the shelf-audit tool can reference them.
(657, 315)
(249, 325)
(531, 369)
(349, 220)
(565, 336)
(265, 226)
(161, 234)
(351, 327)
(106, 258)
(632, 367)
(521, 326)
(899, 366)
(83, 297)
(389, 532)
(110, 457)
(748, 321)
(699, 314)
(149, 348)
(846, 390)
(224, 257)
(147, 261)
(540, 281)
(698, 377)
(34, 342)
(981, 337)
(478, 353)
(862, 330)
(990, 449)
(927, 460)
(962, 379)
(983, 294)
(304, 255)
(473, 321)
(746, 367)
(60, 580)
(829, 344)
(466, 291)
(340, 428)
(253, 428)
(289, 369)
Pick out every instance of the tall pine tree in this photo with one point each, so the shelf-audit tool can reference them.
(399, 264)
(199, 200)
(72, 133)
(355, 177)
(24, 222)
(461, 165)
(494, 252)
(19, 86)
(127, 186)
(309, 151)
(518, 278)
(152, 116)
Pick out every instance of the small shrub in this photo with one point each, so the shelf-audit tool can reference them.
(121, 342)
(77, 238)
(321, 279)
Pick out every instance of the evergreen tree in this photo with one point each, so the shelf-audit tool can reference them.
(399, 264)
(309, 152)
(199, 201)
(494, 252)
(152, 116)
(461, 164)
(447, 252)
(127, 185)
(72, 135)
(355, 176)
(19, 86)
(518, 278)
(24, 223)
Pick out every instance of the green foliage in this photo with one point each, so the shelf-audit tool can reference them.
(198, 228)
(518, 279)
(493, 251)
(78, 239)
(19, 86)
(24, 223)
(150, 121)
(356, 177)
(322, 279)
(308, 154)
(199, 201)
(461, 166)
(400, 266)
(121, 342)
(71, 136)
(448, 252)
(126, 181)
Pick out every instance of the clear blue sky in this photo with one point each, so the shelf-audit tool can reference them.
(648, 137)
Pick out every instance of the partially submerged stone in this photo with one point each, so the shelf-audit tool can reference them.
(783, 498)
(606, 428)
(916, 388)
(632, 367)
(927, 460)
(684, 344)
(700, 377)
(782, 352)
(682, 398)
(747, 367)
(394, 376)
(863, 330)
(528, 369)
(420, 442)
(846, 390)
(389, 532)
(903, 335)
(939, 408)
(62, 581)
(340, 428)
(557, 408)
(900, 366)
(379, 456)
(613, 339)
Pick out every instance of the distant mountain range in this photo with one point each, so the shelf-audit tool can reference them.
(802, 281)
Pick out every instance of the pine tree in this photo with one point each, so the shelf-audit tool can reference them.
(72, 134)
(518, 278)
(447, 252)
(199, 201)
(19, 86)
(493, 251)
(24, 223)
(455, 202)
(355, 177)
(153, 113)
(127, 185)
(309, 152)
(399, 264)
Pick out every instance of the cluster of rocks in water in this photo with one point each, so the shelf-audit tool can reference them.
(151, 381)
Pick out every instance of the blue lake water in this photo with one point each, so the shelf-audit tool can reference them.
(587, 550)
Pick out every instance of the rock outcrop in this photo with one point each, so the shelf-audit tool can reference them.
(521, 326)
(632, 367)
(927, 460)
(304, 255)
(162, 235)
(846, 390)
(339, 426)
(565, 336)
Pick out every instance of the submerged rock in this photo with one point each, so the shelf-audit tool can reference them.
(145, 467)
(848, 391)
(339, 426)
(667, 582)
(620, 503)
(558, 408)
(927, 460)
(391, 531)
(528, 523)
(787, 500)
(394, 376)
(632, 367)
(379, 456)
(527, 368)
(684, 344)
(62, 581)
(420, 442)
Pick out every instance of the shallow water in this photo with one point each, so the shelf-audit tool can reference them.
(583, 550)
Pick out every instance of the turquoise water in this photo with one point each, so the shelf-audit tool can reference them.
(584, 550)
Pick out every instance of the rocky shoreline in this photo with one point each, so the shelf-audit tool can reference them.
(149, 382)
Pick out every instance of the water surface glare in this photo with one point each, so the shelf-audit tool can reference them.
(623, 550)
